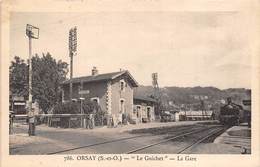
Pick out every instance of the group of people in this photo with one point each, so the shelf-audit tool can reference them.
(115, 120)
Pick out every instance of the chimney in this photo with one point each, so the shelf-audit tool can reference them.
(94, 71)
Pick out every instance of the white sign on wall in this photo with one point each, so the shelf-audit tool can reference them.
(81, 92)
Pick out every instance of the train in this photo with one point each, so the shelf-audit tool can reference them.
(231, 114)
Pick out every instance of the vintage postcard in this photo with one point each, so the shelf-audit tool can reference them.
(132, 82)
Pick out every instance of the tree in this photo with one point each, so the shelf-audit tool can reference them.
(47, 74)
(18, 77)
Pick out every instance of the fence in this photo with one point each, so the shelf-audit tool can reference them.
(66, 120)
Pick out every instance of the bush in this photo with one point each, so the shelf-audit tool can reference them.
(67, 108)
(88, 107)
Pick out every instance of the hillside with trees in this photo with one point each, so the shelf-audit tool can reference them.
(193, 95)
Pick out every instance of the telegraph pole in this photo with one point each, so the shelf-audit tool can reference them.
(71, 65)
(156, 92)
(202, 105)
(30, 73)
(72, 52)
(32, 33)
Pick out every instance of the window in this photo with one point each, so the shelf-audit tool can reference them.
(138, 108)
(149, 112)
(122, 85)
(122, 106)
(95, 99)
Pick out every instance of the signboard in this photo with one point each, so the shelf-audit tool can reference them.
(81, 92)
(32, 32)
(19, 103)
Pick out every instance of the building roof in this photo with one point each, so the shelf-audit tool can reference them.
(102, 77)
(171, 108)
(143, 98)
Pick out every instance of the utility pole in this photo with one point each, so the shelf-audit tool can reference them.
(156, 93)
(32, 33)
(202, 106)
(72, 52)
(30, 73)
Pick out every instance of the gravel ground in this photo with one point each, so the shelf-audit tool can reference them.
(212, 148)
(49, 140)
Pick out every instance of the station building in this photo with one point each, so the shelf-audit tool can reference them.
(143, 109)
(112, 91)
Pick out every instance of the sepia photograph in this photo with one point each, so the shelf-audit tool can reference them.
(158, 84)
(129, 82)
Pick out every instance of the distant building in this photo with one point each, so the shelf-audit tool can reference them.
(112, 91)
(17, 104)
(143, 109)
(196, 114)
(170, 113)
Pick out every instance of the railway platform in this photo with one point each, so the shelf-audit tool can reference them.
(235, 140)
(40, 129)
(238, 137)
(132, 127)
(192, 137)
(50, 139)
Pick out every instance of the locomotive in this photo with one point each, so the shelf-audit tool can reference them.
(231, 113)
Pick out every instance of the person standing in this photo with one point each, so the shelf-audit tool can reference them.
(11, 121)
(31, 121)
(92, 120)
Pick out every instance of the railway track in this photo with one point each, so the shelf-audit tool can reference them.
(179, 130)
(200, 140)
(171, 135)
(212, 133)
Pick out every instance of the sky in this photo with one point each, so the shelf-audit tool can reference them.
(186, 49)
